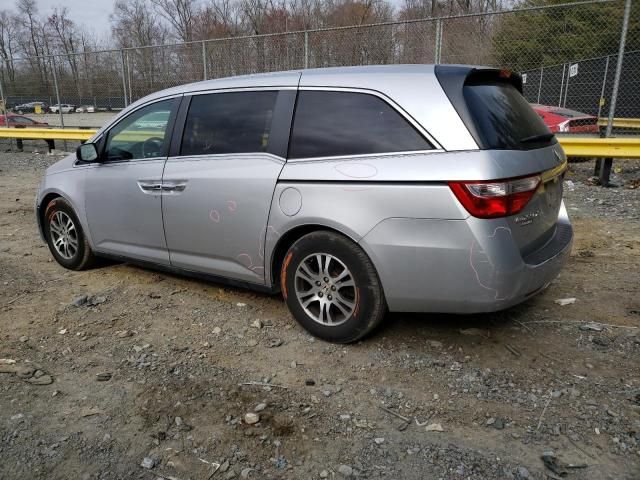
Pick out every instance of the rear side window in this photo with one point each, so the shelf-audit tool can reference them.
(502, 117)
(344, 123)
(237, 122)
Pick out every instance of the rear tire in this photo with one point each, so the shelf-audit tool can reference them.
(65, 237)
(331, 287)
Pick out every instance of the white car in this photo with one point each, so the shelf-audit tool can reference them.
(63, 107)
(86, 109)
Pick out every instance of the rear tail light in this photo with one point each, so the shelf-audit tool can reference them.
(498, 198)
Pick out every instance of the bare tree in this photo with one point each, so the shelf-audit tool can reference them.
(67, 39)
(180, 14)
(134, 24)
(8, 44)
(33, 38)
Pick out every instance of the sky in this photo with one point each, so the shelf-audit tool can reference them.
(93, 14)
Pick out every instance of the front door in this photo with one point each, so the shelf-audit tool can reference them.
(123, 190)
(218, 190)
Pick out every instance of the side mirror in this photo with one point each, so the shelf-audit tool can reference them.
(87, 152)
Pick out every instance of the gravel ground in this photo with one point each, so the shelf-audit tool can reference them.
(122, 372)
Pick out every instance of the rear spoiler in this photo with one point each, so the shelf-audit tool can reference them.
(453, 78)
(456, 76)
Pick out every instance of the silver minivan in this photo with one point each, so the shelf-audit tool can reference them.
(352, 191)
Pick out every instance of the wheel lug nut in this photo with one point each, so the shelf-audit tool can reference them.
(333, 287)
(326, 279)
(320, 294)
(330, 297)
(318, 284)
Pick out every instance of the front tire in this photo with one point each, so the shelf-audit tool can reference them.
(65, 237)
(331, 287)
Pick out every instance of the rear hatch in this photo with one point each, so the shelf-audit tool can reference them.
(528, 192)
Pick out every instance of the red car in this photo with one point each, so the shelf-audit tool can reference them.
(20, 121)
(563, 120)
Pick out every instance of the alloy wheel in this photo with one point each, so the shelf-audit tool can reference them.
(64, 235)
(325, 289)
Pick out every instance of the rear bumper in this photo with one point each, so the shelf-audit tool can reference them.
(461, 266)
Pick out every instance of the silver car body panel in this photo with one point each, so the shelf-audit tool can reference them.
(122, 217)
(217, 224)
(228, 213)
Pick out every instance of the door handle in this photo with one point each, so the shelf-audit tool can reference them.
(150, 186)
(174, 186)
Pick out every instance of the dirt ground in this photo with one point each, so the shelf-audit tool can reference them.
(156, 370)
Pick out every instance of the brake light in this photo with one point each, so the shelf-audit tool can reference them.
(494, 199)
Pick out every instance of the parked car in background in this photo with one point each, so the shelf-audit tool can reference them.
(86, 109)
(20, 121)
(564, 120)
(30, 107)
(353, 191)
(63, 107)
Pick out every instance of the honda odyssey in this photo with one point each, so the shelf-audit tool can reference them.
(352, 191)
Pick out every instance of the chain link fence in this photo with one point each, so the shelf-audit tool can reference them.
(567, 54)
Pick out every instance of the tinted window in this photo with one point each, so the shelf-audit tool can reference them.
(23, 120)
(565, 112)
(143, 134)
(238, 122)
(503, 118)
(344, 123)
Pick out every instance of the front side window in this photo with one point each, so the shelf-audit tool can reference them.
(143, 134)
(345, 123)
(236, 122)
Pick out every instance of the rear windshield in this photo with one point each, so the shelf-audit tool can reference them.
(502, 117)
(565, 112)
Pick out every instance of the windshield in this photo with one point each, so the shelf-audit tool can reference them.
(502, 117)
(565, 112)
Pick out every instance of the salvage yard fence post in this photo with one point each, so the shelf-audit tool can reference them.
(438, 50)
(57, 90)
(124, 79)
(204, 60)
(605, 167)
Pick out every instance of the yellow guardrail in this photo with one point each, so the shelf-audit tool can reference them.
(73, 134)
(574, 146)
(47, 133)
(621, 122)
(594, 147)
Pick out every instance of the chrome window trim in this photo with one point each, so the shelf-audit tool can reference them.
(389, 101)
(119, 162)
(224, 156)
(240, 90)
(364, 156)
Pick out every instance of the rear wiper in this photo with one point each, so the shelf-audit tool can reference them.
(543, 137)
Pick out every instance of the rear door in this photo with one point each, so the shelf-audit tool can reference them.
(218, 188)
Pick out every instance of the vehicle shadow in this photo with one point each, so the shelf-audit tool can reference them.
(425, 326)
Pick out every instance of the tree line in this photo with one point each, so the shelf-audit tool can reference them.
(84, 69)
